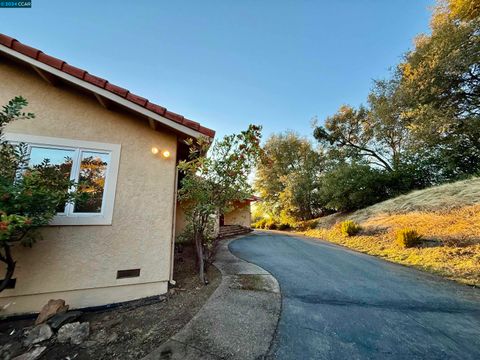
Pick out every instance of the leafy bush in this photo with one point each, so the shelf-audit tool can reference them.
(270, 225)
(352, 186)
(260, 224)
(408, 238)
(283, 226)
(349, 228)
(215, 176)
(30, 195)
(312, 224)
(306, 225)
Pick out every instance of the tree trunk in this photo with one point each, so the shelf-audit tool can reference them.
(201, 265)
(7, 259)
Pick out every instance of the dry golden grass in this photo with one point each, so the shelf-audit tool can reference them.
(437, 198)
(447, 217)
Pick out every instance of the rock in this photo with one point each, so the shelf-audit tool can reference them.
(8, 351)
(75, 332)
(101, 338)
(88, 344)
(50, 309)
(33, 354)
(58, 320)
(38, 334)
(112, 338)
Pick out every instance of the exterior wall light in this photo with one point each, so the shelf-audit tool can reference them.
(165, 153)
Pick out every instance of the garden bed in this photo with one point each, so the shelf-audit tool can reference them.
(129, 331)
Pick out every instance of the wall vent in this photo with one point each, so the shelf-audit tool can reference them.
(130, 273)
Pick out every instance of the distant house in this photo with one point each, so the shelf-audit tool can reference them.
(235, 222)
(240, 215)
(119, 245)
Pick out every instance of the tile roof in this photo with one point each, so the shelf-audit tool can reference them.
(101, 83)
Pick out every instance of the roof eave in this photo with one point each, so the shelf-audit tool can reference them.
(40, 66)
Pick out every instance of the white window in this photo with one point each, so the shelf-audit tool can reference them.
(91, 165)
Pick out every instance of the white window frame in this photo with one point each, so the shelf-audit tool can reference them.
(79, 146)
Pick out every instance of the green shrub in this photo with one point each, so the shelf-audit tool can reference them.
(260, 224)
(408, 238)
(350, 228)
(312, 224)
(283, 226)
(270, 225)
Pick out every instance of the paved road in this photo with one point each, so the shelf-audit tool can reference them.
(338, 304)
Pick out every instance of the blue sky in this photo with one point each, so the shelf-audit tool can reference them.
(230, 63)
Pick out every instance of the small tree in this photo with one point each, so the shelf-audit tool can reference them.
(214, 180)
(29, 195)
(287, 175)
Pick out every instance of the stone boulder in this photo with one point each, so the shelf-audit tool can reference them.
(75, 333)
(50, 309)
(38, 334)
(33, 354)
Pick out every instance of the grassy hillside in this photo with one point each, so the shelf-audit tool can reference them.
(447, 216)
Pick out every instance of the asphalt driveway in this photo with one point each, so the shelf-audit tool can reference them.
(339, 304)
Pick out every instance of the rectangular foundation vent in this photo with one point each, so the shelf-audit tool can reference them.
(130, 273)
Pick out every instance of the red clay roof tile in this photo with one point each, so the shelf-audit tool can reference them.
(160, 110)
(95, 80)
(116, 90)
(6, 40)
(136, 99)
(74, 71)
(50, 60)
(102, 83)
(24, 49)
(191, 124)
(174, 116)
(206, 131)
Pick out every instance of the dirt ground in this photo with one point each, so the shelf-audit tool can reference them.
(129, 331)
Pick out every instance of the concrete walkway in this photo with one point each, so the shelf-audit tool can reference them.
(237, 322)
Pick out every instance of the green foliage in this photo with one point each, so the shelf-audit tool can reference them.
(420, 127)
(408, 238)
(215, 178)
(441, 87)
(260, 224)
(312, 224)
(374, 135)
(29, 196)
(287, 177)
(350, 187)
(283, 226)
(270, 225)
(426, 117)
(349, 228)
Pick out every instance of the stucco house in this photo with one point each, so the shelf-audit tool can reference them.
(119, 246)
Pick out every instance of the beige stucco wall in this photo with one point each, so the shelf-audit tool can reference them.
(181, 220)
(79, 263)
(239, 216)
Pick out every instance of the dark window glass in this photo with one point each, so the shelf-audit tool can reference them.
(91, 182)
(59, 161)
